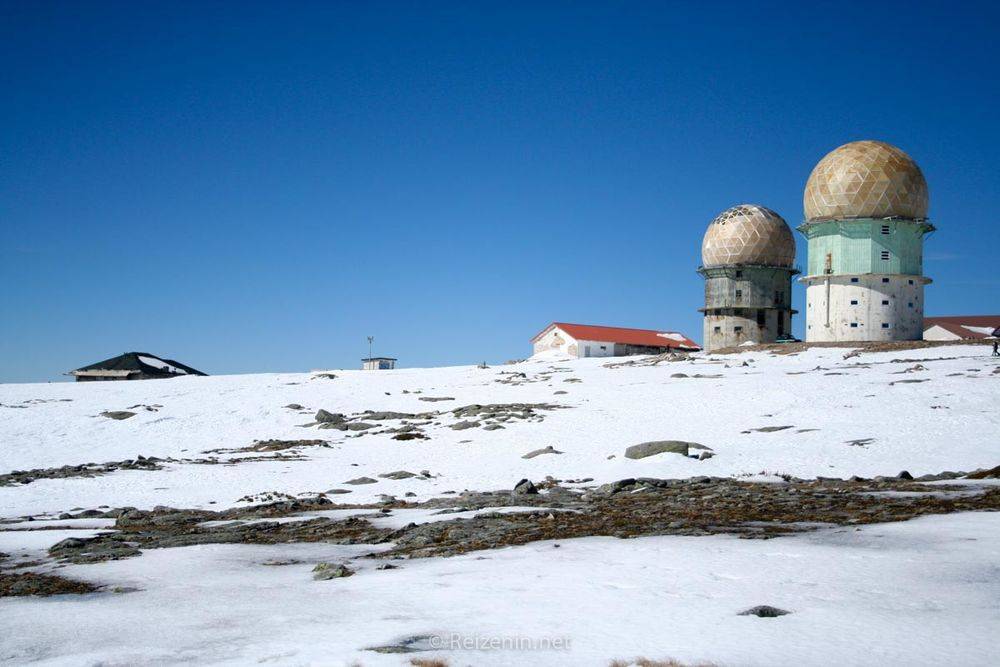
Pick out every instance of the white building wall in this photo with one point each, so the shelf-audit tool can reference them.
(557, 339)
(875, 308)
(937, 332)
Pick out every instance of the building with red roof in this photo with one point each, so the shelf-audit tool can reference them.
(962, 327)
(586, 340)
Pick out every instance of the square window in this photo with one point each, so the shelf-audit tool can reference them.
(911, 282)
(885, 280)
(854, 302)
(739, 274)
(854, 325)
(737, 329)
(885, 325)
(885, 302)
(910, 305)
(854, 280)
(717, 329)
(885, 254)
(885, 229)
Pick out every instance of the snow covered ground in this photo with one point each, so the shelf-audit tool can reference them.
(951, 421)
(921, 592)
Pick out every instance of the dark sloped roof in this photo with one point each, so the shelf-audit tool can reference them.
(130, 361)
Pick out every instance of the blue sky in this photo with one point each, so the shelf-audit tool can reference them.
(258, 186)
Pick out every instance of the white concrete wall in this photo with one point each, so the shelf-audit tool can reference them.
(870, 309)
(596, 349)
(557, 339)
(938, 332)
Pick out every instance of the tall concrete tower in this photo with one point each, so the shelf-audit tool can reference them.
(747, 261)
(866, 216)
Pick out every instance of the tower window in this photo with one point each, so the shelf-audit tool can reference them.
(885, 302)
(761, 318)
(739, 294)
(885, 325)
(885, 280)
(885, 229)
(854, 280)
(717, 330)
(737, 329)
(910, 281)
(854, 302)
(739, 274)
(854, 325)
(885, 254)
(910, 305)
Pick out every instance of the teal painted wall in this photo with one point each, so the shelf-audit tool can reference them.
(856, 246)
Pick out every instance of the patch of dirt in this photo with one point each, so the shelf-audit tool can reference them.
(31, 583)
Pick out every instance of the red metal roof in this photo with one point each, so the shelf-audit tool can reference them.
(967, 320)
(646, 337)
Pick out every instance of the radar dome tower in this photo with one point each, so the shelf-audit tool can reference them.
(866, 216)
(747, 261)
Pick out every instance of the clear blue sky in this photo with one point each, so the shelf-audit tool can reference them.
(258, 186)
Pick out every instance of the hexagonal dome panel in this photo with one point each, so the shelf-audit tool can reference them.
(748, 234)
(866, 179)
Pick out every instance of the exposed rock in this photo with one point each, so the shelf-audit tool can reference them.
(398, 474)
(769, 429)
(538, 452)
(904, 475)
(411, 644)
(296, 406)
(416, 435)
(361, 480)
(525, 488)
(32, 583)
(992, 473)
(435, 399)
(764, 611)
(326, 571)
(118, 414)
(655, 447)
(324, 417)
(464, 424)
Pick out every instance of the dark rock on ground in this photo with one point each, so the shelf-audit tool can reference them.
(324, 417)
(764, 611)
(31, 583)
(538, 452)
(361, 480)
(655, 447)
(327, 571)
(398, 474)
(118, 414)
(525, 488)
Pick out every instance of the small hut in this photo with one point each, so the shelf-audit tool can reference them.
(133, 366)
(378, 364)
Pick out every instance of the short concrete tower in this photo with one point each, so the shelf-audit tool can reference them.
(866, 216)
(747, 257)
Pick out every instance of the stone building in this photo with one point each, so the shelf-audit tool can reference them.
(748, 257)
(866, 216)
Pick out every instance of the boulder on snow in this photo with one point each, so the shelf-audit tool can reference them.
(538, 452)
(361, 480)
(324, 417)
(118, 414)
(644, 449)
(325, 571)
(764, 611)
(525, 488)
